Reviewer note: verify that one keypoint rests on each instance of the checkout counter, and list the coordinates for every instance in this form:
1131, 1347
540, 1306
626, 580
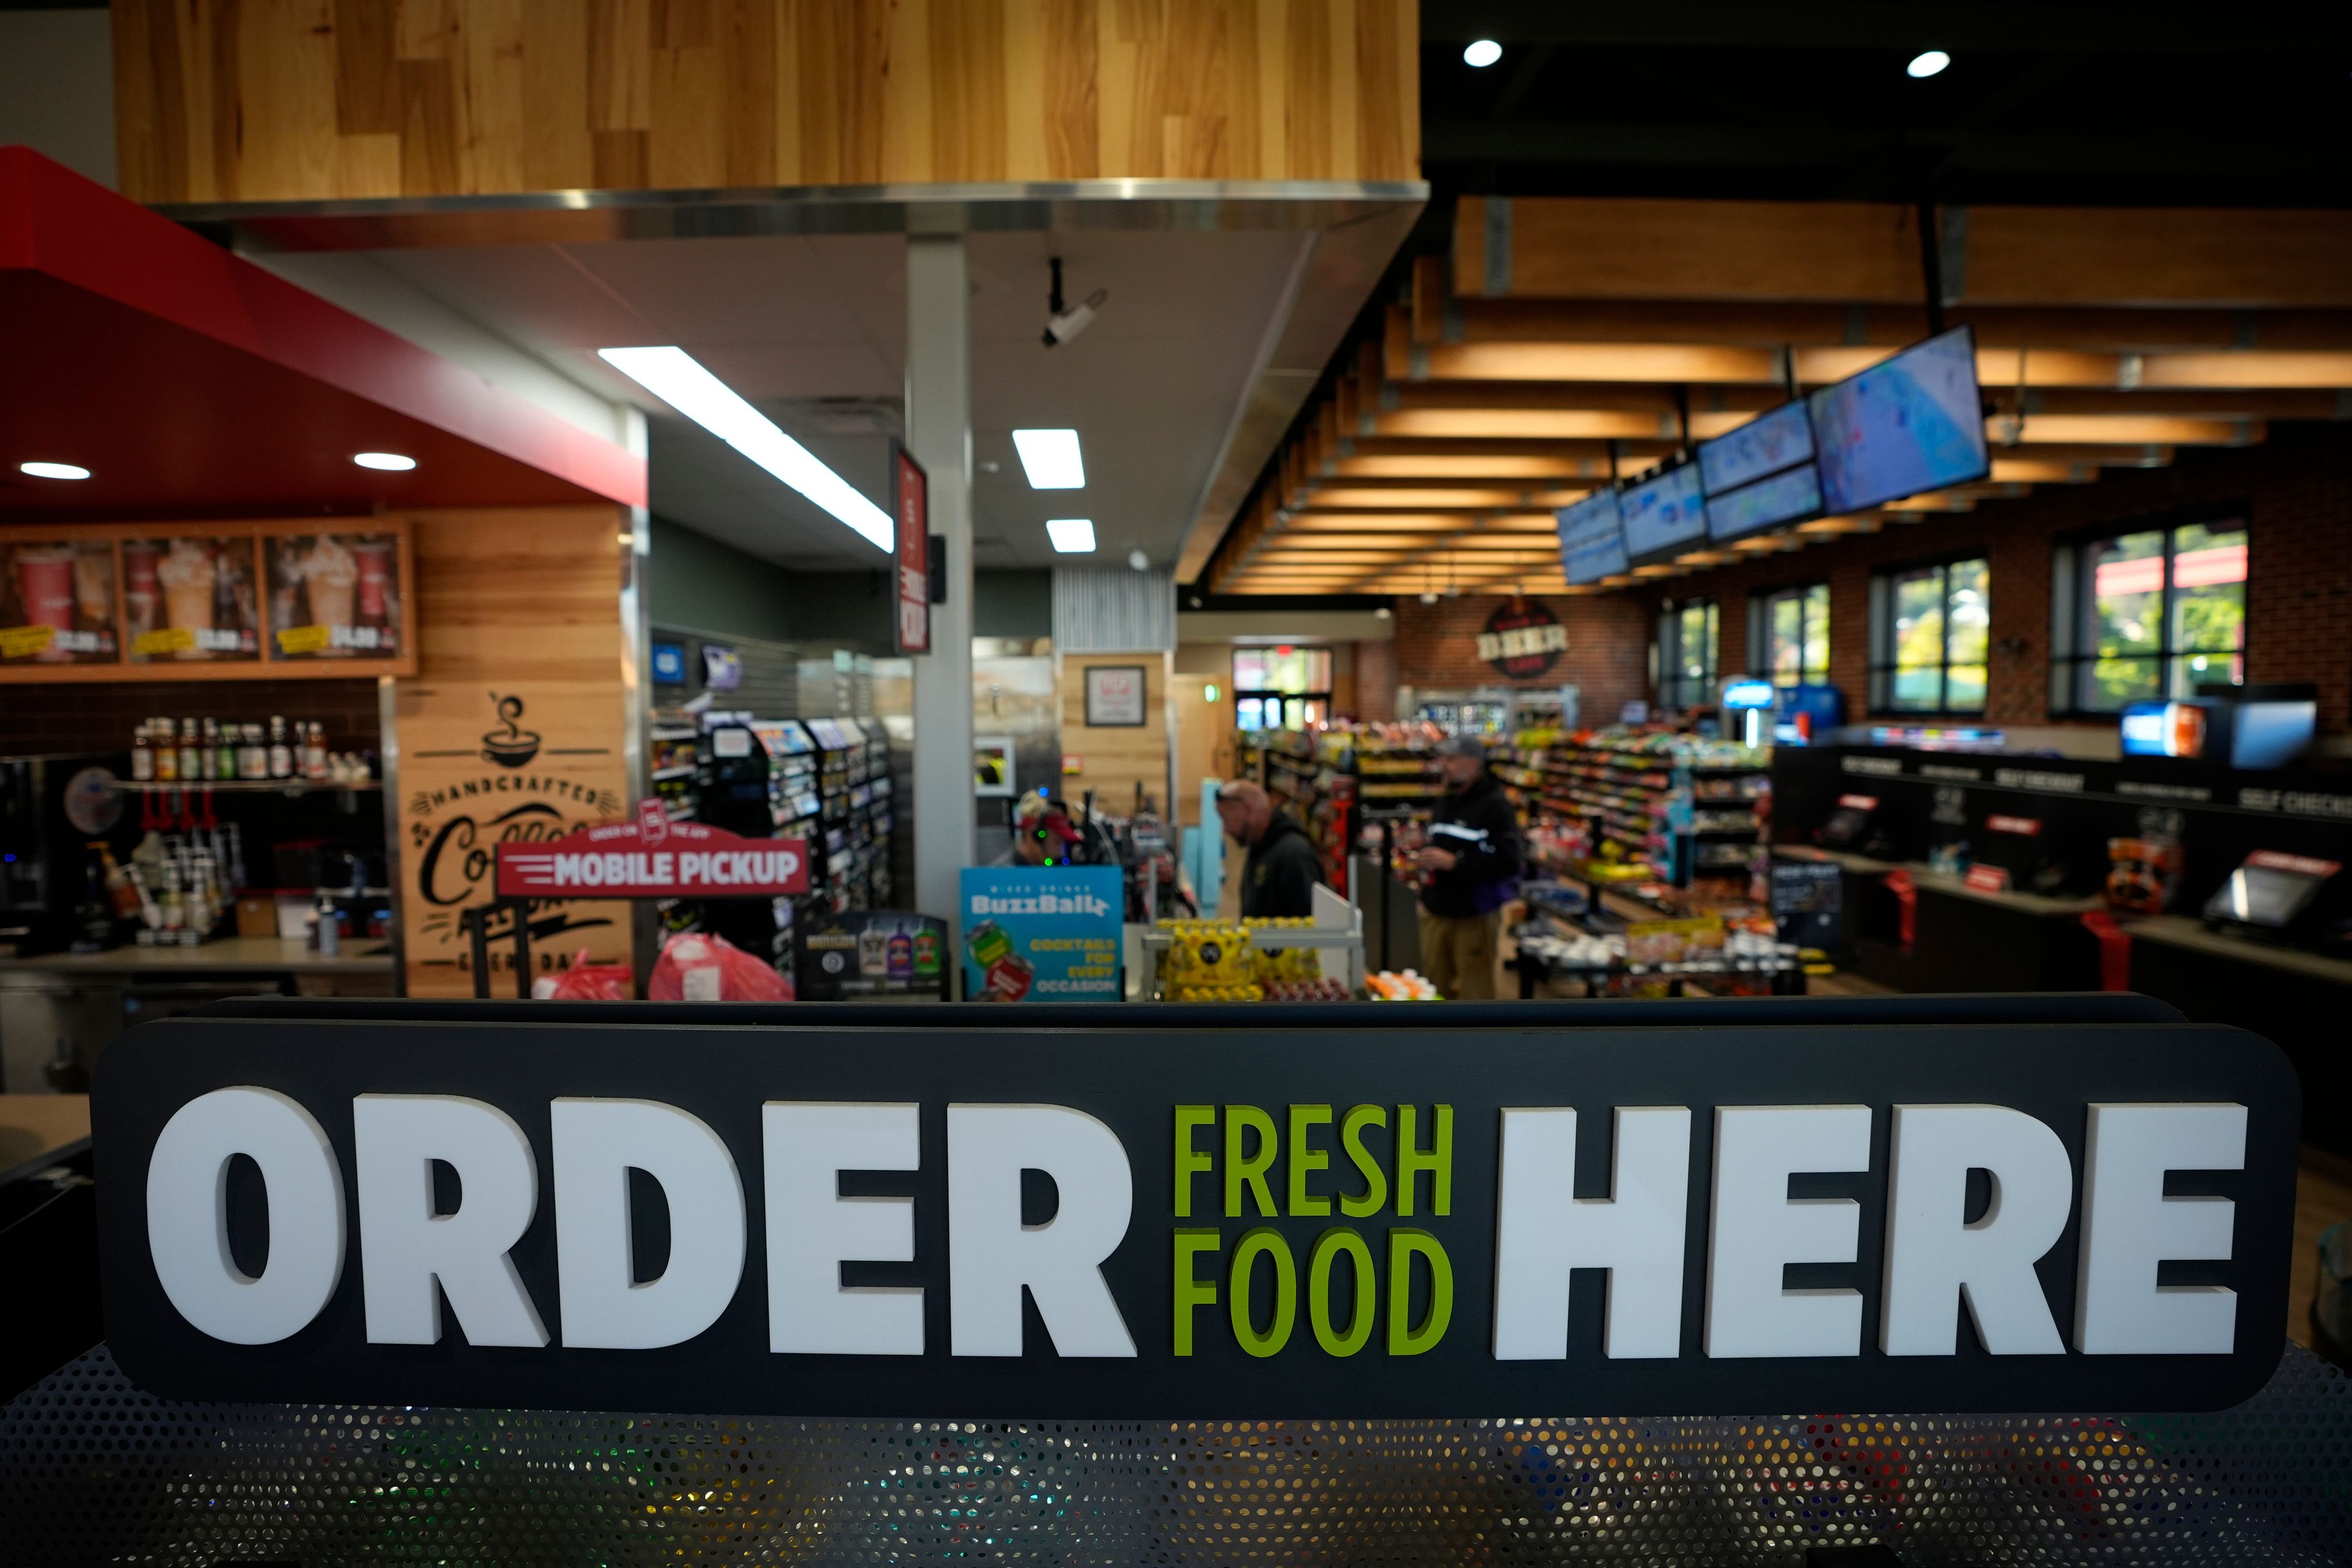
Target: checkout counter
2040, 839
283, 842
58, 1010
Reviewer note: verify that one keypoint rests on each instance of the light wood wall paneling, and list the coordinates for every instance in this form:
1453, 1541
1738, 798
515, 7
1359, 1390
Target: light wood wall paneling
1116, 757
240, 100
517, 605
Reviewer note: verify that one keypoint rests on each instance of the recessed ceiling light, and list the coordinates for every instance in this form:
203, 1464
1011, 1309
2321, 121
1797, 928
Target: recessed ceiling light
1483, 53
388, 462
1051, 459
54, 471
1927, 63
1071, 536
679, 379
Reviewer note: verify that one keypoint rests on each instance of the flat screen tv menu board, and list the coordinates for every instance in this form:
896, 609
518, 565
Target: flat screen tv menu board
1765, 445
1592, 541
1662, 516
1786, 497
1910, 424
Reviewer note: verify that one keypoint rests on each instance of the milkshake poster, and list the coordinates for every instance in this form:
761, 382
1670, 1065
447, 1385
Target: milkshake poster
1042, 933
334, 595
56, 602
191, 598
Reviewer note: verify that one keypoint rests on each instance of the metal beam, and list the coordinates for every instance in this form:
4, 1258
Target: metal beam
939, 437
1766, 325
1870, 24
1842, 252
1821, 147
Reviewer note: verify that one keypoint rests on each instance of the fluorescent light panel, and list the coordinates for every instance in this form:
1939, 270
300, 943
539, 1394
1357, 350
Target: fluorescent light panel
1071, 536
54, 471
679, 380
384, 462
1051, 459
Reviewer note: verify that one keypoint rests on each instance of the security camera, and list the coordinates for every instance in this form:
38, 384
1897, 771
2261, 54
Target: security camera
1065, 322
1139, 560
1064, 325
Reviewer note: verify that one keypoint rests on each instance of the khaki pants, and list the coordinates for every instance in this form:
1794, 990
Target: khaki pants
1457, 955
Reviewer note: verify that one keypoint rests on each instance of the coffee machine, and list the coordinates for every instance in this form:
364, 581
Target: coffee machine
51, 809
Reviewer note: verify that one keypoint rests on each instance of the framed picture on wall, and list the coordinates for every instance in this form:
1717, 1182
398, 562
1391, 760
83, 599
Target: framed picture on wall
57, 601
1115, 695
338, 595
192, 597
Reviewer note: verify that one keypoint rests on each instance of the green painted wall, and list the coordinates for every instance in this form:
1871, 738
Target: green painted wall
1013, 605
696, 584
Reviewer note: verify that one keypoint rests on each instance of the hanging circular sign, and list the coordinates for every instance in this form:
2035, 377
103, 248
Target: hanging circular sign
1523, 639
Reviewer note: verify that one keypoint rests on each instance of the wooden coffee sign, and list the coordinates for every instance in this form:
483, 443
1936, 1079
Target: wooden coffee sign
652, 857
924, 1216
207, 601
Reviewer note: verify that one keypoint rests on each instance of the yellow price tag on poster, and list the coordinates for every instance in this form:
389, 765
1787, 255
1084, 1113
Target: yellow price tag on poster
163, 639
303, 640
22, 642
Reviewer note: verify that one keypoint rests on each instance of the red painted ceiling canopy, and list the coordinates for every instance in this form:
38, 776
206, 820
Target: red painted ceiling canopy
190, 382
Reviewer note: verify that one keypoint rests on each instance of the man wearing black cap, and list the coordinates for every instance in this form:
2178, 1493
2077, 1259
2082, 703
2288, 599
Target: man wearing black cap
1471, 864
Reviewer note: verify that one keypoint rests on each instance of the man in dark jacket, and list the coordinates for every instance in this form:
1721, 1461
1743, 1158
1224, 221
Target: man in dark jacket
1278, 879
1472, 866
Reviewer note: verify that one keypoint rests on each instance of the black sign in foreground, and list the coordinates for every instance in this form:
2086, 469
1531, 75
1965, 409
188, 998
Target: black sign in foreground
1176, 1222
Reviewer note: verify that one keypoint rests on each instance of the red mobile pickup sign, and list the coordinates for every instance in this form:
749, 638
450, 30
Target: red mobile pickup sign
652, 857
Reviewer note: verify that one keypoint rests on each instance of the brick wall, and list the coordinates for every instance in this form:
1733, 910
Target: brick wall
1608, 656
1376, 682
100, 717
2295, 492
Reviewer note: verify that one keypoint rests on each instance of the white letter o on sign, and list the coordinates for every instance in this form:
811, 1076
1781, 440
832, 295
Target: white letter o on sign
187, 1214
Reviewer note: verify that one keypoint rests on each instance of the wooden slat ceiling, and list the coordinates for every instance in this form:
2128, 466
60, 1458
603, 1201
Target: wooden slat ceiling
1564, 334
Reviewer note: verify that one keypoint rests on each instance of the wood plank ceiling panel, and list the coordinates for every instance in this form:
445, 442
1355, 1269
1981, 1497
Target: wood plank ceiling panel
1567, 340
218, 102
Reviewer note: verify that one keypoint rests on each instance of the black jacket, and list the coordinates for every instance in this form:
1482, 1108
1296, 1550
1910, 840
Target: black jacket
1481, 828
1278, 879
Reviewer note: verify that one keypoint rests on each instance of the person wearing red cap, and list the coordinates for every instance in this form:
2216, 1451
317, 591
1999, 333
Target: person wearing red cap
1043, 835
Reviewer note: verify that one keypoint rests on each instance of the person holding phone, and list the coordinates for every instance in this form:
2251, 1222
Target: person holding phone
1470, 868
